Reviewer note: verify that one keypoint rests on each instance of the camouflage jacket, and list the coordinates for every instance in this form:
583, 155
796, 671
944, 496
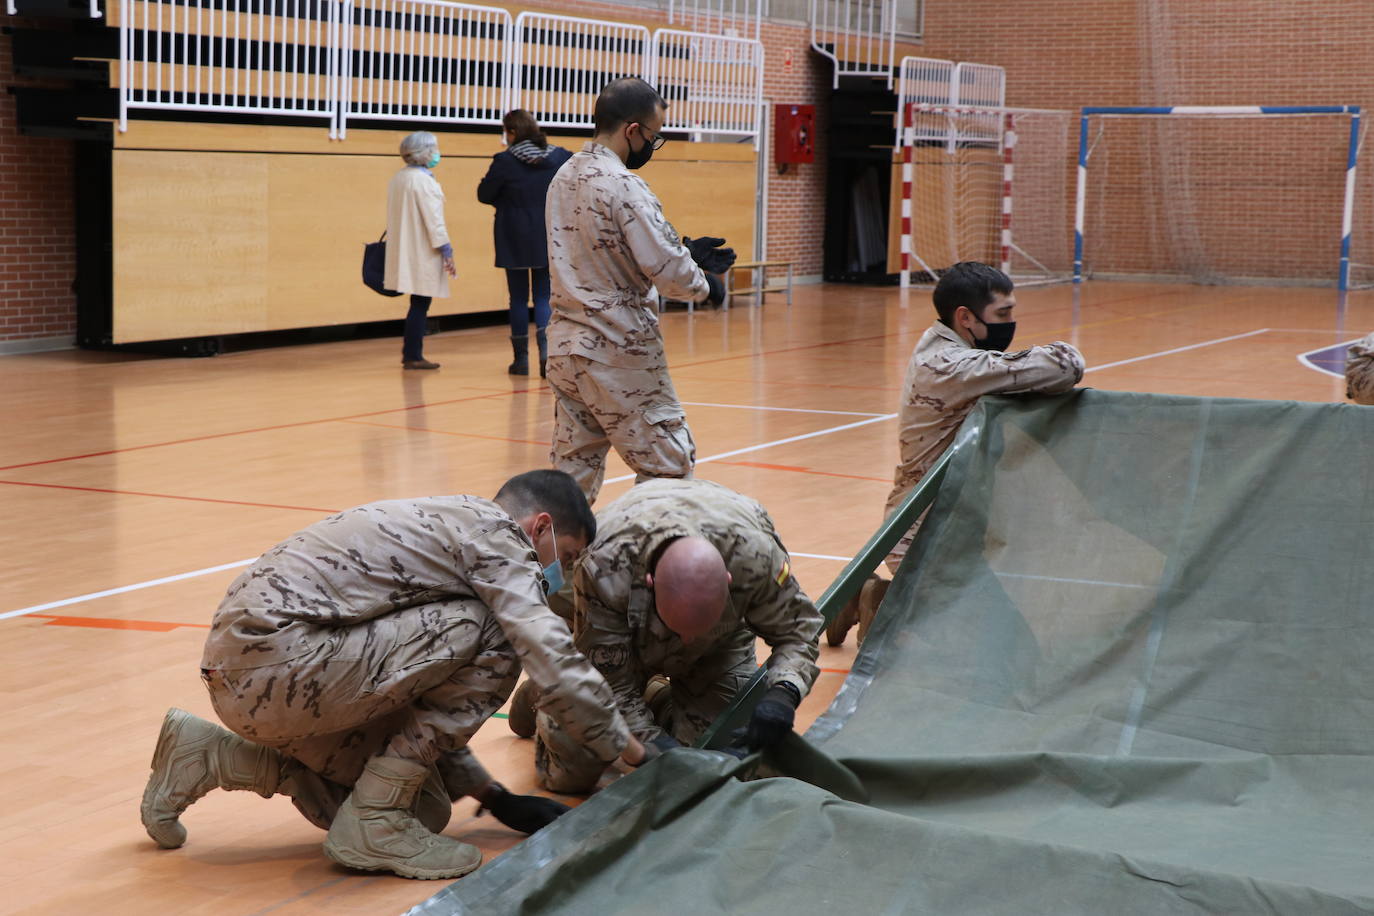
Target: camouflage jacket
617, 628
364, 563
1359, 371
945, 379
609, 247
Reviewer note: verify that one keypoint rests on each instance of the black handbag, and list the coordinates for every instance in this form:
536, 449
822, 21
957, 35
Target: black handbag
374, 267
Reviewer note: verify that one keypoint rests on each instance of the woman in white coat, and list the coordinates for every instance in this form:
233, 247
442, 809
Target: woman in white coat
419, 258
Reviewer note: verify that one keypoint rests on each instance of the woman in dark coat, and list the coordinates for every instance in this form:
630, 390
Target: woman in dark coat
516, 185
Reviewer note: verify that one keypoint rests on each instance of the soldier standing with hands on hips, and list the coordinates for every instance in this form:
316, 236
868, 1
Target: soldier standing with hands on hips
610, 247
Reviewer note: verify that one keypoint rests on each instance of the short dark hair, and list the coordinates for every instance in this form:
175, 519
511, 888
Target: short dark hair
970, 284
553, 492
628, 100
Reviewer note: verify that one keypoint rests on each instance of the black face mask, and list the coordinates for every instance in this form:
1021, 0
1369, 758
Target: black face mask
637, 159
999, 336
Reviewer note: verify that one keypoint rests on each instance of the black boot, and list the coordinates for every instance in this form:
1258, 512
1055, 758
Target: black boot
520, 343
542, 339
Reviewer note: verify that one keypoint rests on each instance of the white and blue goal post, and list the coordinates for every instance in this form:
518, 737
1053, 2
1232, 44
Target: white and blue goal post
1348, 209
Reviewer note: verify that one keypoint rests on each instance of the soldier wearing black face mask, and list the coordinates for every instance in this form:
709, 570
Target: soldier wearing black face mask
962, 357
610, 247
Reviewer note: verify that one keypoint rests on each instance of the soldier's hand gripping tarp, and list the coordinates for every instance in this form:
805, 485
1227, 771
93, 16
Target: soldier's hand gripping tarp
1124, 669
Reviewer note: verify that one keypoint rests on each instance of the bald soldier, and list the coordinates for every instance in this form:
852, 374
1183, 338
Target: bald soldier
1359, 371
353, 662
963, 356
681, 579
610, 248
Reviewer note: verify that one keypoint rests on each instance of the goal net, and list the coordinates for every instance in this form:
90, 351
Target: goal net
1222, 195
990, 185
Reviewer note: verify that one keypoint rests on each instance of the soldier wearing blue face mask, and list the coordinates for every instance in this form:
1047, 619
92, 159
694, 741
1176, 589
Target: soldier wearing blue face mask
353, 662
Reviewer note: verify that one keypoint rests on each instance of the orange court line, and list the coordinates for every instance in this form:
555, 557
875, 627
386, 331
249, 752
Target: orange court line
445, 432
109, 623
264, 429
198, 499
800, 470
834, 670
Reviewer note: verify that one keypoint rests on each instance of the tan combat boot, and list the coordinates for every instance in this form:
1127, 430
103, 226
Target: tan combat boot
658, 697
874, 590
842, 623
194, 756
522, 709
376, 831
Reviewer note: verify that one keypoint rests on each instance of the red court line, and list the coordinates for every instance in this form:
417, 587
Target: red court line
445, 432
835, 670
800, 470
109, 623
263, 429
197, 499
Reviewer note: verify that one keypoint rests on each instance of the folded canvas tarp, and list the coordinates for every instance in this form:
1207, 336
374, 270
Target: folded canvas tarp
1124, 669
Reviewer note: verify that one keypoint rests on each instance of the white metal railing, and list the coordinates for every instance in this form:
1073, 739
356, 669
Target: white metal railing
860, 36
980, 86
423, 60
712, 84
931, 82
561, 63
731, 18
233, 56
923, 81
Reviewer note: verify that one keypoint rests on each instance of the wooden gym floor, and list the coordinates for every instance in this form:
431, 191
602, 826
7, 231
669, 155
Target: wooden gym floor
134, 488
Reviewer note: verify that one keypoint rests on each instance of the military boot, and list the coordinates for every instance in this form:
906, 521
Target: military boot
541, 337
840, 625
870, 598
194, 756
522, 709
658, 697
376, 831
520, 344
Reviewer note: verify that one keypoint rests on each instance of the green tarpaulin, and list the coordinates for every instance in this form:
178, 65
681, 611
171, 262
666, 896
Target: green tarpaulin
1124, 669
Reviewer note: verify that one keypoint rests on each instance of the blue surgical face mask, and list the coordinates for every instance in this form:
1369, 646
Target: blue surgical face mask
553, 573
433, 162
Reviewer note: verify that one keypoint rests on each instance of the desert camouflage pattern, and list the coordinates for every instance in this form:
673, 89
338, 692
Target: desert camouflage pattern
1359, 371
636, 410
697, 698
616, 626
609, 248
944, 380
397, 627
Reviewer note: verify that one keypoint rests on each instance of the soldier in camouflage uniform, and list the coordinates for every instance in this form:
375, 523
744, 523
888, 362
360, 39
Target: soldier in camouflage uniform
1359, 371
609, 248
681, 579
354, 661
960, 358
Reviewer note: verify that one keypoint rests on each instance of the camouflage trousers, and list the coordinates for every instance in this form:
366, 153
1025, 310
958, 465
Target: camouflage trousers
635, 410
694, 703
898, 552
415, 684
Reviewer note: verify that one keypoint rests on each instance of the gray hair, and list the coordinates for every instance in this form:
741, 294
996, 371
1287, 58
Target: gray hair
419, 148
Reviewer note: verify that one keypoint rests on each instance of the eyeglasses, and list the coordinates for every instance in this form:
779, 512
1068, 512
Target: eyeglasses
656, 141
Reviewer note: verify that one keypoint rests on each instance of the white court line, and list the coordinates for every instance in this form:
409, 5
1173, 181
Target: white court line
763, 445
1011, 575
819, 556
844, 413
124, 588
1303, 360
1205, 343
223, 566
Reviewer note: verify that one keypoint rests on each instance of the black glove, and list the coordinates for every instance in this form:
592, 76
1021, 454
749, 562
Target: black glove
716, 296
708, 254
526, 813
773, 716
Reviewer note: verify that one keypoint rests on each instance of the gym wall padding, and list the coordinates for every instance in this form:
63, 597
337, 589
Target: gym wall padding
1124, 669
224, 229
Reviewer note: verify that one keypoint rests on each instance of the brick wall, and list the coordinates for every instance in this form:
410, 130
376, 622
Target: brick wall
1235, 199
37, 234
